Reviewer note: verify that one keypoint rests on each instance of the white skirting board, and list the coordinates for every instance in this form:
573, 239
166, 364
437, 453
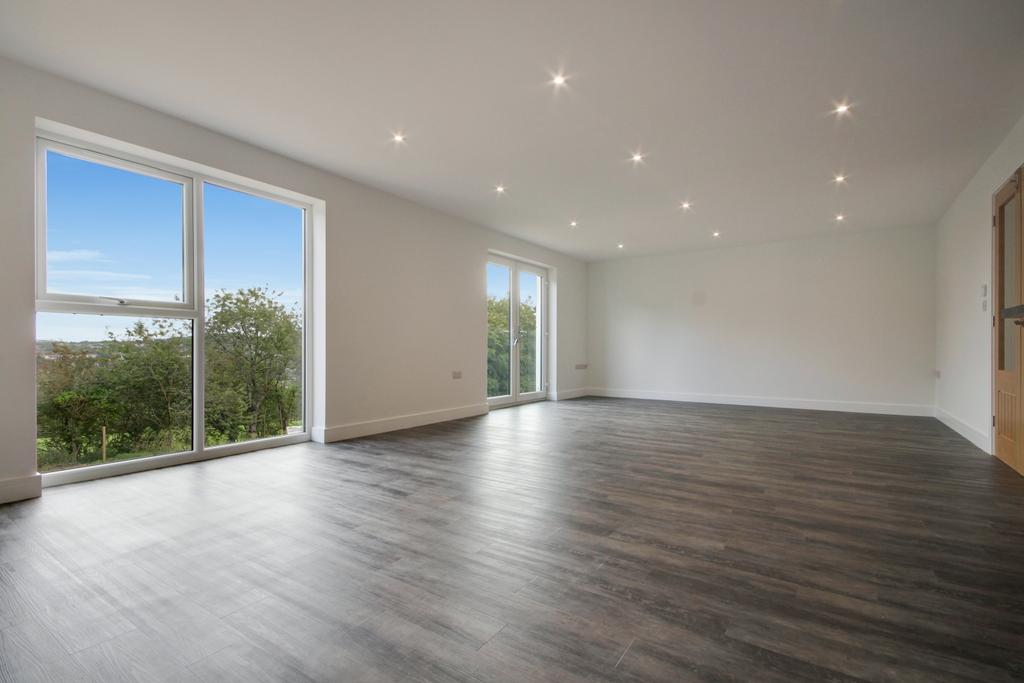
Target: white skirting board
570, 393
354, 430
920, 410
978, 438
20, 488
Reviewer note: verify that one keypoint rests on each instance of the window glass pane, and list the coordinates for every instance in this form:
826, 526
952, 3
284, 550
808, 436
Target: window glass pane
112, 232
499, 330
254, 316
111, 388
530, 378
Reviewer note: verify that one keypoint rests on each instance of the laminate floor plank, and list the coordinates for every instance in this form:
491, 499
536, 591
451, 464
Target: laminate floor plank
585, 540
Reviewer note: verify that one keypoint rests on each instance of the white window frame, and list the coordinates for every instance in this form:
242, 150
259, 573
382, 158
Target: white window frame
78, 303
194, 177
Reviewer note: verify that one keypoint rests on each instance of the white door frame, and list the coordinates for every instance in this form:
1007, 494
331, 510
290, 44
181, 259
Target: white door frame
515, 266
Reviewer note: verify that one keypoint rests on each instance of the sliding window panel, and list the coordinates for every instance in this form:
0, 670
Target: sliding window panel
255, 316
111, 388
115, 232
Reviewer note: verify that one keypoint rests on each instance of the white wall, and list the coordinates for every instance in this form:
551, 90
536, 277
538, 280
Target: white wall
844, 321
404, 285
963, 331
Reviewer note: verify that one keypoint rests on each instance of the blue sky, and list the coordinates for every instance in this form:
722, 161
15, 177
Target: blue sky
111, 232
498, 283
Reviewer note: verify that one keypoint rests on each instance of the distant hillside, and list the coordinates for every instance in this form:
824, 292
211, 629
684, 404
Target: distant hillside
45, 346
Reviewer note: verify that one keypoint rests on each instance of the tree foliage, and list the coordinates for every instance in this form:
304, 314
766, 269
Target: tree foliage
499, 345
138, 384
253, 363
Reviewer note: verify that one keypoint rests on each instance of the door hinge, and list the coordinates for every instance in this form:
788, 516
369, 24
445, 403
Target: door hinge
993, 220
993, 420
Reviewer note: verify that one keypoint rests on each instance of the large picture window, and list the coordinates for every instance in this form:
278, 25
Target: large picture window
171, 311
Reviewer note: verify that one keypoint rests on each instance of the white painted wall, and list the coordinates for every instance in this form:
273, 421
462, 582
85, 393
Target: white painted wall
404, 300
844, 322
963, 331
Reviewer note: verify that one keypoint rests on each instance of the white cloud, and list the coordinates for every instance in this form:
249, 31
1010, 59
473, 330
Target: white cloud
94, 275
59, 256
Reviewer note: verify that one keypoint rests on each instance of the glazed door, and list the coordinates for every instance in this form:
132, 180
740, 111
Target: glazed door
1008, 322
516, 332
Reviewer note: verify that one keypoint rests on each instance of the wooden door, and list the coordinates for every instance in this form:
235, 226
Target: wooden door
1008, 322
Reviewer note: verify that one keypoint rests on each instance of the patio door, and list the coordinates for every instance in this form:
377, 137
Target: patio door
516, 332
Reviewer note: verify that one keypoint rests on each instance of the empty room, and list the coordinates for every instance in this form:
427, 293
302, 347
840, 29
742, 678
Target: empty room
462, 340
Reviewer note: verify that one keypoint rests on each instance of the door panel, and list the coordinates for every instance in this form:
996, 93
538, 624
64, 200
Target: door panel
529, 342
499, 330
1008, 250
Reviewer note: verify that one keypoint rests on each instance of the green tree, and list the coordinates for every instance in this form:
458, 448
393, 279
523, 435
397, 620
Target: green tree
253, 364
527, 345
149, 380
72, 405
499, 345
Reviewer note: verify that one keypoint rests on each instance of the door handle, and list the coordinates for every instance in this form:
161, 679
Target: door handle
1019, 321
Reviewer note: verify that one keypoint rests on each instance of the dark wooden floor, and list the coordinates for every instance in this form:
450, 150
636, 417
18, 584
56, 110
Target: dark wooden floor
595, 539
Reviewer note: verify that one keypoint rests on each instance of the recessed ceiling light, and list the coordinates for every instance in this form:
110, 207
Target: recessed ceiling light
715, 234
842, 108
840, 217
637, 157
840, 178
572, 224
398, 137
500, 189
621, 245
684, 205
559, 79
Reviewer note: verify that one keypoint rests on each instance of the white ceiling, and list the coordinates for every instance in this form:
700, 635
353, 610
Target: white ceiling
729, 99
